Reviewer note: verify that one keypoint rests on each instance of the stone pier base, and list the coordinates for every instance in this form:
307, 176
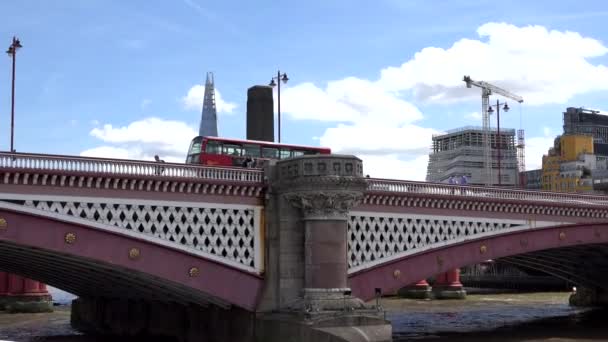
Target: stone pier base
358, 326
26, 304
420, 290
156, 319
448, 292
200, 324
448, 286
588, 297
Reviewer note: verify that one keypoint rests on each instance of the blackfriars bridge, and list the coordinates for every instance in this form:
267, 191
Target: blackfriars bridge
291, 252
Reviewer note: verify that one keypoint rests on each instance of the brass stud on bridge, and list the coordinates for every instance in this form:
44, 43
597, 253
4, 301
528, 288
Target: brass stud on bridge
3, 223
562, 236
70, 238
396, 274
194, 272
483, 249
134, 253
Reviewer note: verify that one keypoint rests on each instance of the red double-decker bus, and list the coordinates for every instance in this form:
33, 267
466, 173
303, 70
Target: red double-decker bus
243, 153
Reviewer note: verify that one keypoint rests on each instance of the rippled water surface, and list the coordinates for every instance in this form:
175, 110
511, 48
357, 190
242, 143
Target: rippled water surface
506, 317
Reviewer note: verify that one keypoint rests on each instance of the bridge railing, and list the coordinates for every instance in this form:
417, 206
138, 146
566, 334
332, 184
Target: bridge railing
123, 167
385, 185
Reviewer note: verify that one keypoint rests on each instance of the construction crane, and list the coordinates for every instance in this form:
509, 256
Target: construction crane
521, 156
488, 89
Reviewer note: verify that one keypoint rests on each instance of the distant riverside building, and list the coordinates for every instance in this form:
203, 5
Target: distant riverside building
532, 179
569, 164
577, 162
459, 152
581, 121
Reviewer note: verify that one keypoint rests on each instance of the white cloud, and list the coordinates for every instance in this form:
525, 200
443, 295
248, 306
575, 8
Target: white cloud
378, 139
143, 139
348, 100
535, 148
476, 116
390, 166
529, 61
196, 94
111, 152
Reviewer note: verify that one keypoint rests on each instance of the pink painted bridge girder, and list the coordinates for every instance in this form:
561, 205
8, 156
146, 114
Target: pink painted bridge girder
222, 282
393, 275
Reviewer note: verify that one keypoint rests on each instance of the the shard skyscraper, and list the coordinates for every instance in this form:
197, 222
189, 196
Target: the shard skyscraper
208, 125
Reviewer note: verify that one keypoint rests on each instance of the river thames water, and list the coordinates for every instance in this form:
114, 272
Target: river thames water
496, 317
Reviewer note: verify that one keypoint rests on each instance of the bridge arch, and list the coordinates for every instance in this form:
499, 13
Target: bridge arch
568, 251
91, 262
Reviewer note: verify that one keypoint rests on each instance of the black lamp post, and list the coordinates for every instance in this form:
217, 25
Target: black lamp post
279, 77
498, 141
12, 52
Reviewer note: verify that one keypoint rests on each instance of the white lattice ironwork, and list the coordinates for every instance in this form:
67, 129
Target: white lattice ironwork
227, 233
374, 238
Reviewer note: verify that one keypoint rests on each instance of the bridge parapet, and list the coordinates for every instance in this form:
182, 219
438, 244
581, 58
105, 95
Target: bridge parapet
100, 173
398, 187
533, 205
123, 167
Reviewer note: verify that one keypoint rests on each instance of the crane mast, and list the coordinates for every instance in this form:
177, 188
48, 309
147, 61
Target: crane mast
488, 89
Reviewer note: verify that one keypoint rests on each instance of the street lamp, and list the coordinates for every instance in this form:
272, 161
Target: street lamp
499, 142
12, 52
279, 77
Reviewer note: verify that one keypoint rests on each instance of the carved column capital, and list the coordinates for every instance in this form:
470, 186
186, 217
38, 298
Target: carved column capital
322, 186
324, 204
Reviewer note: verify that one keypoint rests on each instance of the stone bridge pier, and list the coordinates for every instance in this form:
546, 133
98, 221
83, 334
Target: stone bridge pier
307, 292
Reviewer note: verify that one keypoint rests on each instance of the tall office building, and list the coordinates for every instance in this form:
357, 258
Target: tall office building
581, 121
459, 152
208, 126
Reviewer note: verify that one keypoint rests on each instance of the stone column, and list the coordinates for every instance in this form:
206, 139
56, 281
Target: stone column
306, 295
323, 189
448, 286
19, 294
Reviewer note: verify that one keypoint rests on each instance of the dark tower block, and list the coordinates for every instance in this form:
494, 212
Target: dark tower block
260, 113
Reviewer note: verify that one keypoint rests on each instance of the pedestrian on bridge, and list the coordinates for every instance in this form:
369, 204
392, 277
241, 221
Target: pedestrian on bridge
159, 169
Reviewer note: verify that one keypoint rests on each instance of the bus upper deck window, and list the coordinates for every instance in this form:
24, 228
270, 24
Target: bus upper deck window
310, 152
252, 150
297, 153
270, 152
232, 150
195, 148
284, 154
213, 147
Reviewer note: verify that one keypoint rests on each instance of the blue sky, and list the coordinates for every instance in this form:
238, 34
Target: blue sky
118, 78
